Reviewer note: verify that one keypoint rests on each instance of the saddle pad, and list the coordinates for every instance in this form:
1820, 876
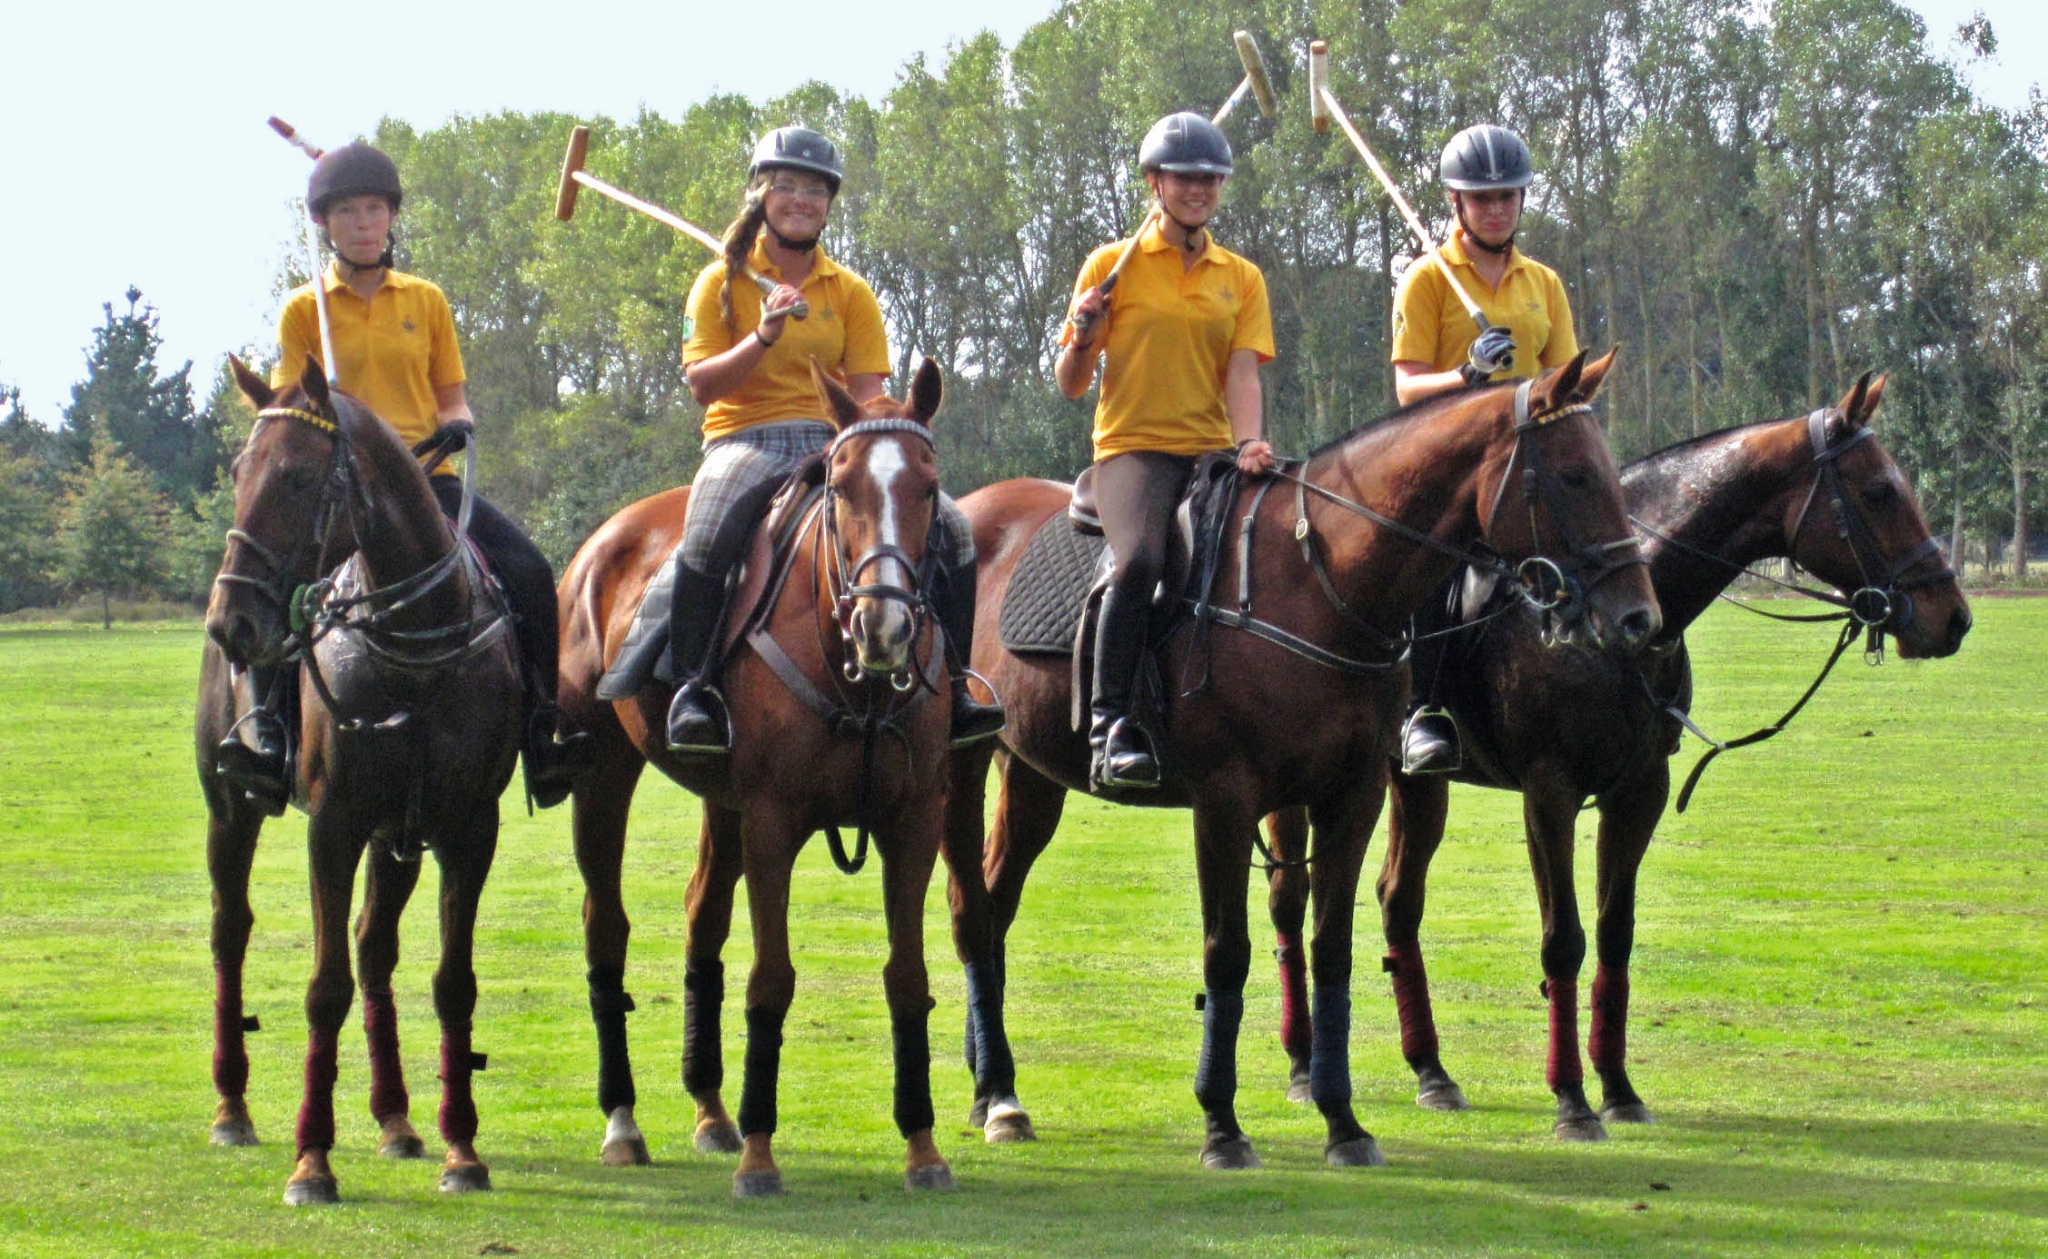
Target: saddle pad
1049, 589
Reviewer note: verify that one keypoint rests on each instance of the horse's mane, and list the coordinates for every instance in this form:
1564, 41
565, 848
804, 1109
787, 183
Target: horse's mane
1399, 414
1662, 464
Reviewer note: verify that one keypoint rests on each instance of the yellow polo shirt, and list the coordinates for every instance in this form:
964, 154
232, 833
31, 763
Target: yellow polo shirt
844, 333
1170, 335
1431, 326
395, 349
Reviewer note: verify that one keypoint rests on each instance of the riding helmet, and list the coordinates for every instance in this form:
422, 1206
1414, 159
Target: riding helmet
1484, 157
798, 148
1187, 144
353, 170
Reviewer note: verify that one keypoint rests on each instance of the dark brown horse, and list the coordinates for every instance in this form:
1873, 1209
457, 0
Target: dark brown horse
1563, 727
409, 691
1306, 683
830, 688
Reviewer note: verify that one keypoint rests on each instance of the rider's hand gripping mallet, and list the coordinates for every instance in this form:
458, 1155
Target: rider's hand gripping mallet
1322, 107
574, 177
313, 274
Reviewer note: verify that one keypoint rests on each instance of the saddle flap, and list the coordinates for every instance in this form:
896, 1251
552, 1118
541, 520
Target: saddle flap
1081, 506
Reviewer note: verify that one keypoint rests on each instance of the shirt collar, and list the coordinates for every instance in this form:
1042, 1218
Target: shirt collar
1152, 240
393, 279
1454, 251
762, 265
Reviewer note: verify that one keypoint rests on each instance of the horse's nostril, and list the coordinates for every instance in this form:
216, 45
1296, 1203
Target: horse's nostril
1638, 626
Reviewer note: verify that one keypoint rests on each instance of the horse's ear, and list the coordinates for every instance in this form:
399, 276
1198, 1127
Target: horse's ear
314, 382
1860, 403
927, 390
1553, 389
1593, 375
838, 403
256, 389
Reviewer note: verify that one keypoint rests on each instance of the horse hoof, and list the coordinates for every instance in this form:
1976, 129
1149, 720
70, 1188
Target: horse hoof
719, 1138
466, 1178
1445, 1096
1297, 1088
1627, 1112
314, 1191
1584, 1128
233, 1132
1231, 1154
403, 1147
934, 1176
1357, 1152
757, 1184
1005, 1123
626, 1152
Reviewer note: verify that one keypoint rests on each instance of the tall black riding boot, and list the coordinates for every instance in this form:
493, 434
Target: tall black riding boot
253, 758
697, 722
1120, 754
973, 720
552, 763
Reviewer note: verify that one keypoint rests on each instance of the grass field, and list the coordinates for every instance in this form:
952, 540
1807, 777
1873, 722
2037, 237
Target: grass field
1839, 1014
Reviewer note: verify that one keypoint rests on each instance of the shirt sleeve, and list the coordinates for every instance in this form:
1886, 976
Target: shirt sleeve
1254, 317
1418, 307
298, 336
1563, 345
867, 342
1093, 273
705, 335
444, 352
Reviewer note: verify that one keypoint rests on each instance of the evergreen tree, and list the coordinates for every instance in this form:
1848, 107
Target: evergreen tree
114, 530
151, 416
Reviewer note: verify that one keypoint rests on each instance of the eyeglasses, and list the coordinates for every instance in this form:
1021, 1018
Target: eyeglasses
801, 189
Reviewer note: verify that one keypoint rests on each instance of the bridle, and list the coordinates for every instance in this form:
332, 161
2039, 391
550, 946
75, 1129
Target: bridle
845, 579
342, 483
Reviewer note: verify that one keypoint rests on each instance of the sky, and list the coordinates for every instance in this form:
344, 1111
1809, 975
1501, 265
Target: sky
141, 156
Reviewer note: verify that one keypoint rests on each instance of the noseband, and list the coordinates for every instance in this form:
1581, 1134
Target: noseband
278, 584
845, 579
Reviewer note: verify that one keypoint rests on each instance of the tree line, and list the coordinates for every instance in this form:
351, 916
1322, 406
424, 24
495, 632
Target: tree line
1755, 203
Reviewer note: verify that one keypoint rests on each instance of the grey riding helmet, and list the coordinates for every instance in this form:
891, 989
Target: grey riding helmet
1186, 144
353, 170
1485, 157
798, 148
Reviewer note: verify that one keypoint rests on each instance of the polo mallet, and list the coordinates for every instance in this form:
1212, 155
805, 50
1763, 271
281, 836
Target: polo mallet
313, 152
1260, 86
574, 178
1322, 107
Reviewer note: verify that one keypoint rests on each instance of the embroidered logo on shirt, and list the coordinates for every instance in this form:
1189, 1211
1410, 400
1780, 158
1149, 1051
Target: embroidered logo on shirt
409, 325
828, 314
1226, 295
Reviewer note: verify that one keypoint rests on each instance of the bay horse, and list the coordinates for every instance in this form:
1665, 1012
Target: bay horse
828, 683
409, 725
1565, 727
1306, 687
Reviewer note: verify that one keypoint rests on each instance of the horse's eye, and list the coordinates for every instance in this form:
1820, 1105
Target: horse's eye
1575, 478
299, 480
1880, 496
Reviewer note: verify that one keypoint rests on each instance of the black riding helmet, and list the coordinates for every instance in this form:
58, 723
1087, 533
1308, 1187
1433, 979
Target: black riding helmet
798, 148
353, 170
1186, 144
1486, 157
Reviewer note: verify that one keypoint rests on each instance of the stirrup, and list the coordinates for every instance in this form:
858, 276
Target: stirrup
1125, 758
1430, 742
695, 727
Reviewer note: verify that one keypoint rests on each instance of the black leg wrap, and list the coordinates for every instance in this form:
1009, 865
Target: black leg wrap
988, 1046
764, 1063
1216, 1071
1329, 1071
609, 1005
913, 1070
703, 999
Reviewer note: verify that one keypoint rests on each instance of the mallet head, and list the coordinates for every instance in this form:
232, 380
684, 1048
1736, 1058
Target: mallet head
1318, 83
1255, 70
572, 166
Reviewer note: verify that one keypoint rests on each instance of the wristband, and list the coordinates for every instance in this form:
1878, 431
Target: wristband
765, 342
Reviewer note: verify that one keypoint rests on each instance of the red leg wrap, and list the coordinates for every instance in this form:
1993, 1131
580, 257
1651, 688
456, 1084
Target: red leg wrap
387, 1077
1607, 1041
230, 1056
458, 1108
316, 1109
1294, 1017
1411, 998
1564, 1066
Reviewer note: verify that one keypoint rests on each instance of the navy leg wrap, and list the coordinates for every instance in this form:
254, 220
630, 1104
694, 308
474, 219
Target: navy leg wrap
1216, 1072
609, 1005
913, 1070
764, 1063
988, 1046
703, 997
1329, 1071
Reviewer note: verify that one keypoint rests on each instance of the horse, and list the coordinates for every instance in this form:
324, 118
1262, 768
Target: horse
832, 661
409, 686
1562, 727
1299, 706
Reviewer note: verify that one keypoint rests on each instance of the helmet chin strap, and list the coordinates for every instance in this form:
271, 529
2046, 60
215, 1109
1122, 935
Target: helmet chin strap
1191, 233
351, 267
1498, 251
801, 246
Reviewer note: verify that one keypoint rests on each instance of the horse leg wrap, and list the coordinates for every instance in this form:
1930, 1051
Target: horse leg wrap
610, 1003
387, 1078
458, 1108
1411, 998
1216, 1070
1295, 1037
988, 1045
1563, 1067
910, 1033
703, 999
230, 1055
1607, 1040
1329, 1072
764, 1062
316, 1109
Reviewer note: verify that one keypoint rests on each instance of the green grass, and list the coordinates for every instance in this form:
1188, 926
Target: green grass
1838, 1014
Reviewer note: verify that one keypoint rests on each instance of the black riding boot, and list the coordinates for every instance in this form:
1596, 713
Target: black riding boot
973, 720
253, 759
1120, 755
696, 718
552, 764
1429, 742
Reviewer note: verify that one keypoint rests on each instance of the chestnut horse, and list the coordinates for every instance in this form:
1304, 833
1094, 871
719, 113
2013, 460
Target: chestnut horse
1306, 684
829, 685
1562, 727
410, 721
